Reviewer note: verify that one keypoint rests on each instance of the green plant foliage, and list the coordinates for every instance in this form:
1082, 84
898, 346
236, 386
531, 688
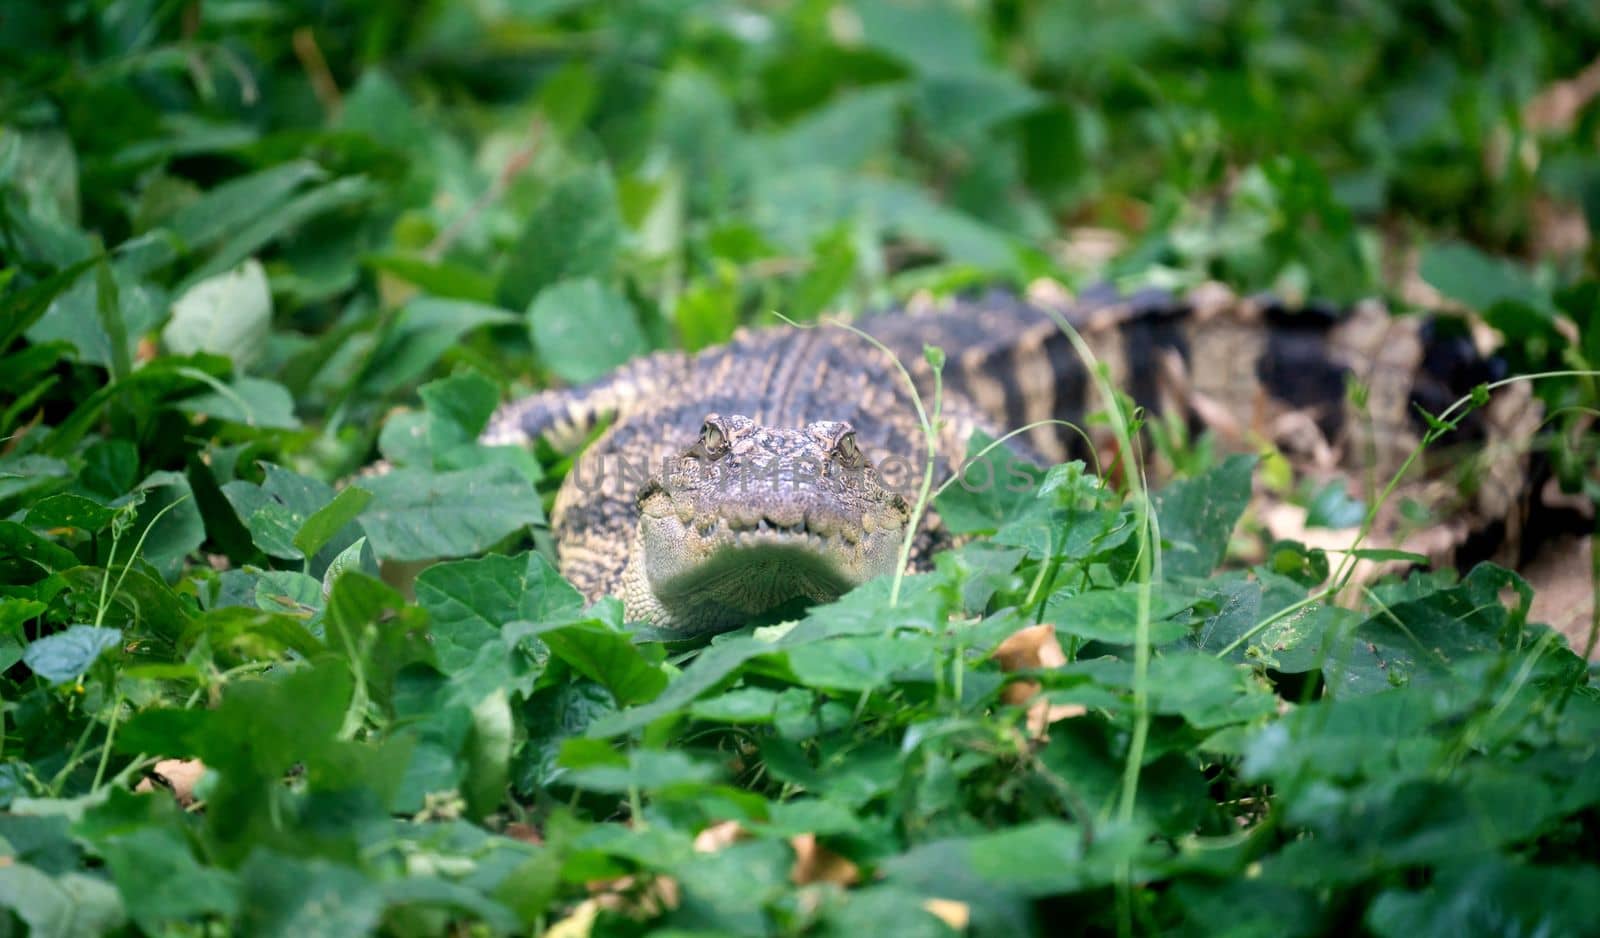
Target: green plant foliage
247, 249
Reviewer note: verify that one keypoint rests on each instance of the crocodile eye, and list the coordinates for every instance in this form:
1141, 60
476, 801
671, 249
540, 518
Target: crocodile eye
847, 452
713, 439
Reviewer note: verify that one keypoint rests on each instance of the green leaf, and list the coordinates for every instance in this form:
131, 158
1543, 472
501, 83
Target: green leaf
859, 663
252, 402
305, 897
574, 232
21, 308
644, 770
236, 203
460, 406
714, 666
471, 601
1490, 895
441, 278
1111, 615
1332, 507
228, 314
25, 556
1462, 272
601, 652
64, 656
425, 329
1198, 516
109, 312
277, 509
316, 531
934, 37
265, 229
160, 880
991, 491
73, 905
31, 474
583, 329
70, 511
358, 556
418, 515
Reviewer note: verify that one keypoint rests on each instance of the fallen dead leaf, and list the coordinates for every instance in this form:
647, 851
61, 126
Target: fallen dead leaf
1034, 647
578, 923
1556, 107
955, 914
178, 776
718, 836
526, 833
1562, 577
814, 863
638, 897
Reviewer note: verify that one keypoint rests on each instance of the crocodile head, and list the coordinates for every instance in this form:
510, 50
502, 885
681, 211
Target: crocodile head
753, 518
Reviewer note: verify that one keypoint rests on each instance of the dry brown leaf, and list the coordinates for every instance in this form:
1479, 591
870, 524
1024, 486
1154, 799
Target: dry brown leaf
178, 776
526, 833
717, 836
1032, 647
578, 923
814, 863
1562, 577
955, 914
1556, 107
638, 897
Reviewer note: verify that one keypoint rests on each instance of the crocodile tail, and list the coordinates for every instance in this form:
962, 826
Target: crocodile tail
1337, 391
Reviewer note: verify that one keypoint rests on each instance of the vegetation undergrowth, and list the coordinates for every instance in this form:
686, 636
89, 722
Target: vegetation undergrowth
247, 249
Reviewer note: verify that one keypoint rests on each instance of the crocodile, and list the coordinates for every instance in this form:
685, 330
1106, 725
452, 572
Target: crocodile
779, 468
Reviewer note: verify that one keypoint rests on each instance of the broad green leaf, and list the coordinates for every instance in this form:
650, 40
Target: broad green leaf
1485, 896
1112, 615
161, 881
285, 896
418, 515
460, 406
573, 232
471, 601
443, 279
240, 201
25, 556
934, 37
228, 314
583, 329
859, 662
600, 652
277, 509
713, 666
70, 511
31, 475
1332, 507
358, 556
1198, 516
1464, 273
289, 592
644, 770
265, 229
64, 656
252, 402
424, 330
73, 905
316, 531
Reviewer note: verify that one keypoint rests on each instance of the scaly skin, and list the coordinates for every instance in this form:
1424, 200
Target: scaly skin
752, 517
651, 513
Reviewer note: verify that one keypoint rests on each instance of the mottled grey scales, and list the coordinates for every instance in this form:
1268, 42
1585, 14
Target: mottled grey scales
777, 468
